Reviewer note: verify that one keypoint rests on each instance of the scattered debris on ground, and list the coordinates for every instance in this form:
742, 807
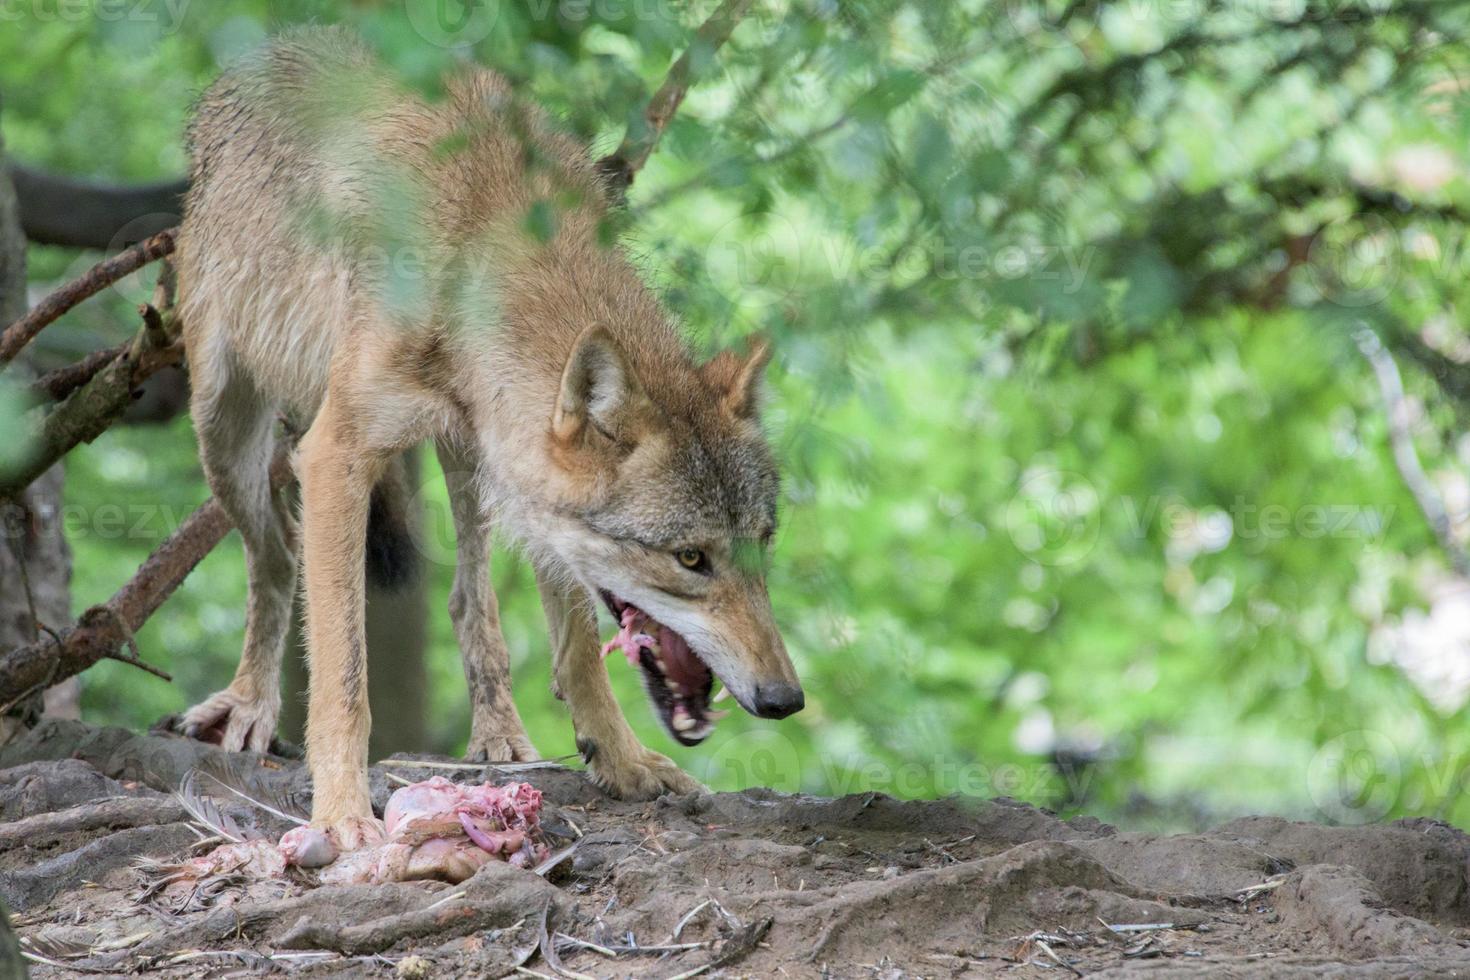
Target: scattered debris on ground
102, 833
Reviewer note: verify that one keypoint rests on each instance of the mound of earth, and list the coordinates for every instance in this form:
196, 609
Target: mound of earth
731, 884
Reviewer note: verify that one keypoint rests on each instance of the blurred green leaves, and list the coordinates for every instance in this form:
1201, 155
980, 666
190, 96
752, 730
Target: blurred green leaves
1089, 498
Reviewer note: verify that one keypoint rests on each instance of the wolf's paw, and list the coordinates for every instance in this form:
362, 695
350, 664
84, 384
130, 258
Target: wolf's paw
351, 833
233, 721
501, 747
640, 775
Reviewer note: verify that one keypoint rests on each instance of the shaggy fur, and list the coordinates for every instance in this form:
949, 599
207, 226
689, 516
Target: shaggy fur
378, 268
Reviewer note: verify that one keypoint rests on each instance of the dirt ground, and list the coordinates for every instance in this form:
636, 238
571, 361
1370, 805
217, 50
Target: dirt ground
751, 884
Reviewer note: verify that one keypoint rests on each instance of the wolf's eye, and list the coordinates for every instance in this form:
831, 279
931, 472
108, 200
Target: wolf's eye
692, 559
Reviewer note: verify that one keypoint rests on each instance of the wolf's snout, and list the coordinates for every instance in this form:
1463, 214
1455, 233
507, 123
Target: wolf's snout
778, 700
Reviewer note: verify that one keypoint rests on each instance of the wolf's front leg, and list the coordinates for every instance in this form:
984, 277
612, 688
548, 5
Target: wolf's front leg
336, 484
619, 763
496, 731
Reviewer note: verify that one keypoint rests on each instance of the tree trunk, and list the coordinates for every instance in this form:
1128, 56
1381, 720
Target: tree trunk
31, 534
35, 562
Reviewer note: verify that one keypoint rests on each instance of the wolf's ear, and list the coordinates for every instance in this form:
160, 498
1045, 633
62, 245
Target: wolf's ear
738, 379
596, 385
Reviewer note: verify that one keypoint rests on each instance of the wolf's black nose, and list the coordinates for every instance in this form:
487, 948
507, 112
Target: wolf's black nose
778, 700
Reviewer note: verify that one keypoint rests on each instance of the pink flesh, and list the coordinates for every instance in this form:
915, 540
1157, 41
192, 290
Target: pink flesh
307, 847
629, 639
499, 822
681, 665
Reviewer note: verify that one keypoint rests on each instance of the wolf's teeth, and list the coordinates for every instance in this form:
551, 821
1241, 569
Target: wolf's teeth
683, 721
717, 715
702, 732
724, 693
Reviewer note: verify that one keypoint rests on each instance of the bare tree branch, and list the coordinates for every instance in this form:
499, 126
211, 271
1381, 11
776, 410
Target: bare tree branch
622, 164
56, 385
99, 277
104, 631
1391, 384
95, 405
60, 210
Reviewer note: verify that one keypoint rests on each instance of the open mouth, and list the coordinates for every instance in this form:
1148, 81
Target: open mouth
677, 681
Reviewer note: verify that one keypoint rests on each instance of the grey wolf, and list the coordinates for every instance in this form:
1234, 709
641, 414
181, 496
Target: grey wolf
563, 402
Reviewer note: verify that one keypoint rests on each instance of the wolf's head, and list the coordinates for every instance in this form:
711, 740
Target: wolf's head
677, 508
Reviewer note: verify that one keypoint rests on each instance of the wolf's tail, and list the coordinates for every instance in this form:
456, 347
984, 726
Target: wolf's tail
392, 551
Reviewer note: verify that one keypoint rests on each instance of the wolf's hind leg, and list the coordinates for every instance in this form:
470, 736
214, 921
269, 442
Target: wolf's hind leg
236, 442
496, 731
619, 763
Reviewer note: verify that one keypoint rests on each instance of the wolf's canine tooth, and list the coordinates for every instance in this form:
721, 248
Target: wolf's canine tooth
724, 693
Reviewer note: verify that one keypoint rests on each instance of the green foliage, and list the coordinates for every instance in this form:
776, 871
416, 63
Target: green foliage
1089, 496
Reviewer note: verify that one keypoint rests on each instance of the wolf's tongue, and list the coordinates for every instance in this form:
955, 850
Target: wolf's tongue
682, 666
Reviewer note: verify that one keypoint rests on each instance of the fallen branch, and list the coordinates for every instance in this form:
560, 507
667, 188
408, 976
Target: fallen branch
96, 279
105, 630
622, 164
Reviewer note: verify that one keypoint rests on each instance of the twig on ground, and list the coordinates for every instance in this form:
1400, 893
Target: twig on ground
1269, 885
734, 949
1142, 927
1045, 948
567, 940
546, 866
548, 948
451, 897
688, 918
